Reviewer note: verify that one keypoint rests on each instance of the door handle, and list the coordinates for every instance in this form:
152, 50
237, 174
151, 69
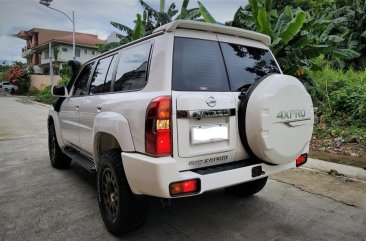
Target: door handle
77, 108
99, 107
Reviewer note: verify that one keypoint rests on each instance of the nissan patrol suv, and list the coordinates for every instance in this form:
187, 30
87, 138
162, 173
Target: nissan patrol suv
191, 108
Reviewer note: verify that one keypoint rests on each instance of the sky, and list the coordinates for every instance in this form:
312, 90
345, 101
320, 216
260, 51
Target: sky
91, 16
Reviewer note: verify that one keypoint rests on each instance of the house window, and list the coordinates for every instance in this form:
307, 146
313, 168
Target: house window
93, 52
45, 54
77, 52
85, 51
64, 49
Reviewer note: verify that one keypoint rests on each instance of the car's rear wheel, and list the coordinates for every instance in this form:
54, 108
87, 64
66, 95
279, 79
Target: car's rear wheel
57, 158
121, 210
248, 188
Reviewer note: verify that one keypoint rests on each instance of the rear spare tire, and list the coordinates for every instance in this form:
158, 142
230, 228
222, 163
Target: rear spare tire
276, 119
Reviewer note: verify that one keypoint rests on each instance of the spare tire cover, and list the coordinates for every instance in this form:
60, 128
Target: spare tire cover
279, 117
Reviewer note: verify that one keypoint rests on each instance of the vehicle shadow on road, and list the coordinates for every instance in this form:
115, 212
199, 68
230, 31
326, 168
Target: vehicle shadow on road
271, 214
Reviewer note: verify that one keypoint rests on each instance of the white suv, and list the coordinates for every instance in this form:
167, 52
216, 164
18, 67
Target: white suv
191, 108
8, 87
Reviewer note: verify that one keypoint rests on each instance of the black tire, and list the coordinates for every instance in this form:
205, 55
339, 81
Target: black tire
57, 158
248, 188
121, 210
12, 91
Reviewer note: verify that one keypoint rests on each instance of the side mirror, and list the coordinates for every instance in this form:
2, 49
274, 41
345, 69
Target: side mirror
59, 91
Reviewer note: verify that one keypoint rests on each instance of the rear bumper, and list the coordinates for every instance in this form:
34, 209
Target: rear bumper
152, 176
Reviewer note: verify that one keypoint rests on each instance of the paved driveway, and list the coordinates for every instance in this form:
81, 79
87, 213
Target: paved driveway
38, 202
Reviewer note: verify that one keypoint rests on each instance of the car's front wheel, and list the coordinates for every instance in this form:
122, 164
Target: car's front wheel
121, 210
248, 188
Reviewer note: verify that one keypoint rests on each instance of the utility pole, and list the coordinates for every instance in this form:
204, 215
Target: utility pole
50, 58
47, 3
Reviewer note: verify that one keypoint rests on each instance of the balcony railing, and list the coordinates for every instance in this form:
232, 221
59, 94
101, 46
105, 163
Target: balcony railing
26, 47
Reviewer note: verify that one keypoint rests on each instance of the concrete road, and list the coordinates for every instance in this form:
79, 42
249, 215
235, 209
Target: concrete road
38, 202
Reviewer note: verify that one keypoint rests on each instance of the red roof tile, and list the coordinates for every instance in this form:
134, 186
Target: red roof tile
81, 39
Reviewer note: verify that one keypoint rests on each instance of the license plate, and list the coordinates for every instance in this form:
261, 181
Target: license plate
209, 133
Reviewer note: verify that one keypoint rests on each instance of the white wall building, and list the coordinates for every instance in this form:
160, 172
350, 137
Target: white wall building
61, 48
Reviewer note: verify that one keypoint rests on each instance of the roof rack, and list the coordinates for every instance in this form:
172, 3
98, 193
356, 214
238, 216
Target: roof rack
215, 28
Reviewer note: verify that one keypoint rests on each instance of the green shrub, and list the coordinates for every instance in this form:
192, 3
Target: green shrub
339, 96
45, 95
340, 101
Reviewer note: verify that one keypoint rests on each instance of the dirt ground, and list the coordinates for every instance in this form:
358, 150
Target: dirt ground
335, 150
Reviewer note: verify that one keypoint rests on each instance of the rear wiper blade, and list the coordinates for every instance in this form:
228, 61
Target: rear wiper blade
244, 87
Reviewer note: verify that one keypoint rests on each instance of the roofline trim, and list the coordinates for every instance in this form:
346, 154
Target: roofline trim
216, 28
154, 34
41, 46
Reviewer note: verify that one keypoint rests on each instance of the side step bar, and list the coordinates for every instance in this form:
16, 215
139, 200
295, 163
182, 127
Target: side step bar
80, 159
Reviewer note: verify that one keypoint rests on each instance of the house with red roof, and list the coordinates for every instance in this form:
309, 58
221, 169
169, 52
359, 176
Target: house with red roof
36, 51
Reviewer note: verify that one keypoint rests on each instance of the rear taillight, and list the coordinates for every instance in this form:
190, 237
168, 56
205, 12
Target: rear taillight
301, 160
157, 127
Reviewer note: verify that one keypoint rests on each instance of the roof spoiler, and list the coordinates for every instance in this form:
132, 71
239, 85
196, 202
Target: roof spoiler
215, 28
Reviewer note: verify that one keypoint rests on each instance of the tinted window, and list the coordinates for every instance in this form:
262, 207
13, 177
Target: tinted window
245, 65
102, 76
132, 68
82, 81
198, 66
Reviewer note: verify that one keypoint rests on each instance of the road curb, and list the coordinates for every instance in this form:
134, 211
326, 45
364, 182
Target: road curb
39, 103
324, 166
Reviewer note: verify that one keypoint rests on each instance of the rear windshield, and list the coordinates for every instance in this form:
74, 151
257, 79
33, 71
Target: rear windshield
204, 65
198, 66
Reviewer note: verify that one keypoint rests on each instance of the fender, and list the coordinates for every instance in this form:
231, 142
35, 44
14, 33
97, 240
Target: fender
54, 115
116, 125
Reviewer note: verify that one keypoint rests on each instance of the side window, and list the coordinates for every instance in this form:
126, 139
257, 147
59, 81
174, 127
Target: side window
82, 81
245, 64
102, 77
132, 68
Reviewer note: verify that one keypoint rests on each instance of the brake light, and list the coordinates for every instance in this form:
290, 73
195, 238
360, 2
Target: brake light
157, 127
301, 160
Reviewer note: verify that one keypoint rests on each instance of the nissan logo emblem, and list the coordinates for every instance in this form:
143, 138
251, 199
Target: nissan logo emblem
211, 101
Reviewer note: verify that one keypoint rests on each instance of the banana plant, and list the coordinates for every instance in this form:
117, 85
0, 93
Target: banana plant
207, 17
130, 34
159, 17
188, 14
150, 20
297, 36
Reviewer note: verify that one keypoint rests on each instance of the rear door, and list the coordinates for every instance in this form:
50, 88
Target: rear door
203, 105
92, 104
